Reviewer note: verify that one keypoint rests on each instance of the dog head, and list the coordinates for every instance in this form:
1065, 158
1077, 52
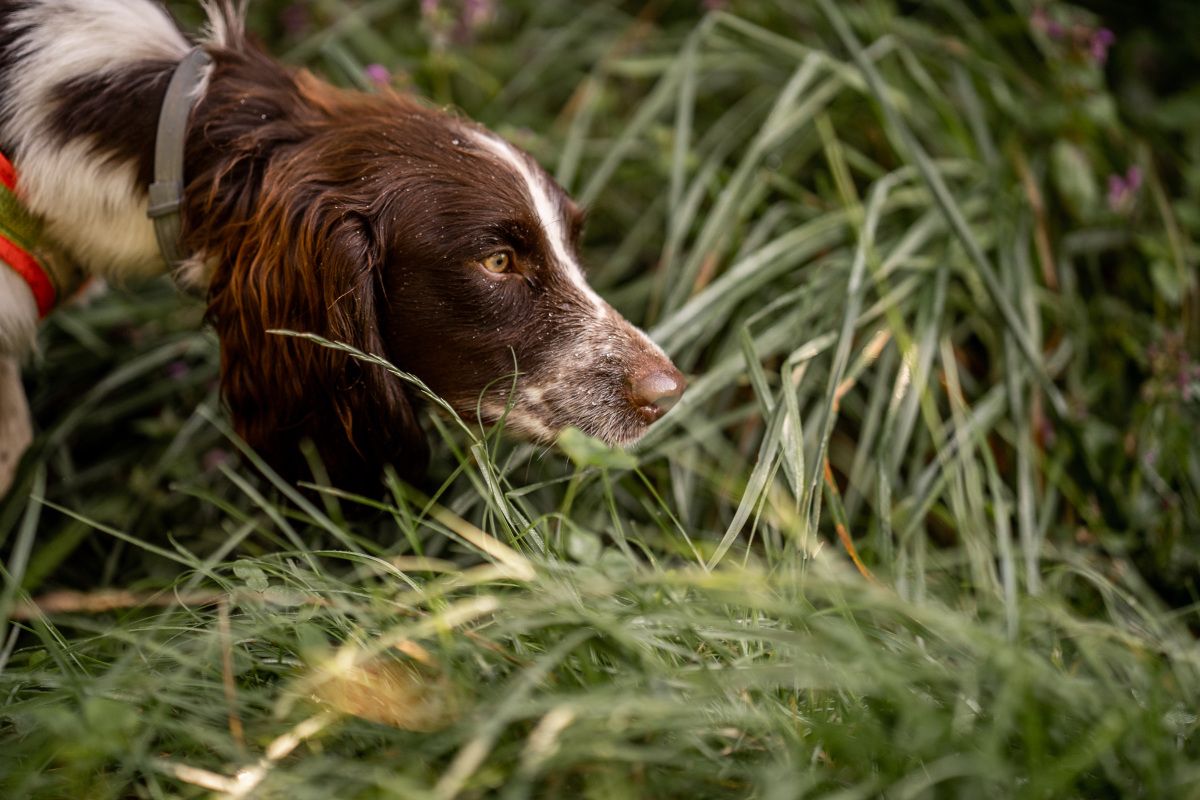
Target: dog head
409, 233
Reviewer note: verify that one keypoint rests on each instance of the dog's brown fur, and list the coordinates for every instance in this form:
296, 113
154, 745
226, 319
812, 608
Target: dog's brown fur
367, 219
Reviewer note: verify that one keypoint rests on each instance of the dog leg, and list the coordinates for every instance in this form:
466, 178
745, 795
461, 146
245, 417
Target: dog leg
18, 336
16, 430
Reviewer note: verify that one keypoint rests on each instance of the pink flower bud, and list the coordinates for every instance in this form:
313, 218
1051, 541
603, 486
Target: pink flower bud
378, 74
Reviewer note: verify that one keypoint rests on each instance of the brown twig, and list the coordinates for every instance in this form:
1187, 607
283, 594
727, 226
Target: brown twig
102, 600
235, 722
870, 353
1041, 234
839, 516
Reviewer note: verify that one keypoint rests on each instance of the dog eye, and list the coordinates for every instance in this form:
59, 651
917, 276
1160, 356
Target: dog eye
499, 262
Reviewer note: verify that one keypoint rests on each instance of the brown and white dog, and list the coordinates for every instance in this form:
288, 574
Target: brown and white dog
369, 219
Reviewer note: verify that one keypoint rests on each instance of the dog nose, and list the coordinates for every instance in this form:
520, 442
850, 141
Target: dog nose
658, 388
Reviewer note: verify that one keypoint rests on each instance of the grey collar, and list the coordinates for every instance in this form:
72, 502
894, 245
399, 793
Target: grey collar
166, 193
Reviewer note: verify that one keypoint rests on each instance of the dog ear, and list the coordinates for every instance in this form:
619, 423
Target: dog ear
308, 263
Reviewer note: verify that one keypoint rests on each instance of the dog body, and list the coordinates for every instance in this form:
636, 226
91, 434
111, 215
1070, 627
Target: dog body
368, 219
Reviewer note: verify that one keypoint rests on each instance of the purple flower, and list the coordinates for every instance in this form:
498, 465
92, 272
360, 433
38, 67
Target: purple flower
1133, 178
177, 370
1116, 191
1101, 40
1122, 189
429, 8
378, 74
714, 5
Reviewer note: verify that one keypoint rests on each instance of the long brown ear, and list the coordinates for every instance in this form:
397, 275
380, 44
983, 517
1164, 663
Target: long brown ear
308, 263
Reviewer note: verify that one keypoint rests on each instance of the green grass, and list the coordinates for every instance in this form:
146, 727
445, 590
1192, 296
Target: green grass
918, 336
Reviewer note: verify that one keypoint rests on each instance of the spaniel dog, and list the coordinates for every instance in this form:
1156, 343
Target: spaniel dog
368, 219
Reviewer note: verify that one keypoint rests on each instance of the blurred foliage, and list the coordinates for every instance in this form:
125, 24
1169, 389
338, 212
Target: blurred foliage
945, 248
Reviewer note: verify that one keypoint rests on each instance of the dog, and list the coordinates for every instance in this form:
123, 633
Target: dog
369, 219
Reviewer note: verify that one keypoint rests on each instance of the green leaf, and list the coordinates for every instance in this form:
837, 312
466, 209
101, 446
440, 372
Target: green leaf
1167, 281
583, 546
254, 578
587, 451
1074, 180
